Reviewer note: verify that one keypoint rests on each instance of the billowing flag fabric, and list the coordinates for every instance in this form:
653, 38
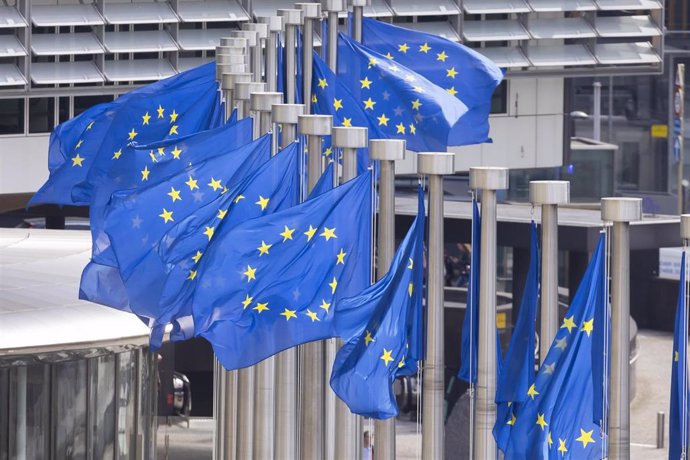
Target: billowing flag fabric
679, 429
382, 330
461, 71
556, 421
184, 104
517, 373
398, 102
138, 166
137, 221
470, 323
325, 182
275, 282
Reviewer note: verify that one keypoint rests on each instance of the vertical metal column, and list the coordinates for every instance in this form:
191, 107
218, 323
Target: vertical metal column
254, 50
434, 165
342, 426
275, 26
620, 211
488, 180
263, 103
261, 37
333, 8
549, 194
357, 16
287, 115
386, 151
242, 94
312, 414
678, 131
292, 18
311, 14
596, 112
227, 85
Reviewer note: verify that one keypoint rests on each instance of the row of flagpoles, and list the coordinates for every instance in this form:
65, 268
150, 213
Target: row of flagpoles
282, 407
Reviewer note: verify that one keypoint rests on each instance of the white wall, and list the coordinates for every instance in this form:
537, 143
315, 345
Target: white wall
530, 135
23, 163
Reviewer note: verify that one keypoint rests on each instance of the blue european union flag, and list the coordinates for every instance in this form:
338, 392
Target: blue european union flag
470, 323
462, 71
556, 420
382, 330
679, 428
134, 167
325, 182
388, 98
517, 372
171, 108
138, 220
275, 282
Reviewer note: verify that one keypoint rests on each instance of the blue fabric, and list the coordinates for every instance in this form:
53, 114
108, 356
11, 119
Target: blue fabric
189, 103
382, 329
138, 221
325, 182
679, 429
254, 303
447, 64
517, 373
101, 281
556, 420
470, 323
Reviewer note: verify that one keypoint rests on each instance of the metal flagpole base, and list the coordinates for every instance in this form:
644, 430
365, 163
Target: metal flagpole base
620, 211
287, 115
242, 92
292, 19
685, 226
488, 180
549, 194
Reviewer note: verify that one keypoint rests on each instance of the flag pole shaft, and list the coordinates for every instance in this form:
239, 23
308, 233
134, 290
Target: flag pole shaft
333, 40
434, 166
357, 16
271, 57
311, 14
292, 18
548, 194
488, 180
345, 444
620, 211
386, 152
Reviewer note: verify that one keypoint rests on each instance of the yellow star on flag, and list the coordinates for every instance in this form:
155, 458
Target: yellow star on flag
161, 151
314, 99
368, 339
173, 116
411, 265
312, 315
416, 104
174, 194
418, 89
366, 83
173, 130
424, 48
132, 134
287, 233
310, 233
401, 363
561, 446
410, 288
383, 120
369, 104
372, 62
585, 437
263, 202
442, 56
328, 233
192, 275
214, 184
238, 198
209, 232
512, 420
333, 284
146, 117
167, 216
325, 305
289, 314
117, 155
196, 257
160, 111
337, 104
386, 356
347, 122
192, 183
261, 307
176, 153
90, 126
263, 249
541, 421
451, 73
675, 356
222, 213
250, 273
81, 141
549, 440
341, 257
532, 392
452, 91
413, 129
145, 173
569, 324
153, 157
77, 160
247, 302
389, 55
323, 83
403, 48
588, 326
400, 128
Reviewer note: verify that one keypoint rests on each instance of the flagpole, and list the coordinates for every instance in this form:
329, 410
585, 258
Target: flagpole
434, 165
549, 194
357, 16
343, 437
386, 152
620, 211
333, 8
261, 31
488, 180
262, 103
685, 236
242, 94
292, 18
275, 26
227, 85
311, 436
311, 14
287, 116
254, 50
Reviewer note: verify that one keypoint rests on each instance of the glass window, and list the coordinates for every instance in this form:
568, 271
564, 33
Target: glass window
41, 114
29, 412
81, 103
103, 391
11, 116
70, 387
499, 100
126, 404
63, 109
